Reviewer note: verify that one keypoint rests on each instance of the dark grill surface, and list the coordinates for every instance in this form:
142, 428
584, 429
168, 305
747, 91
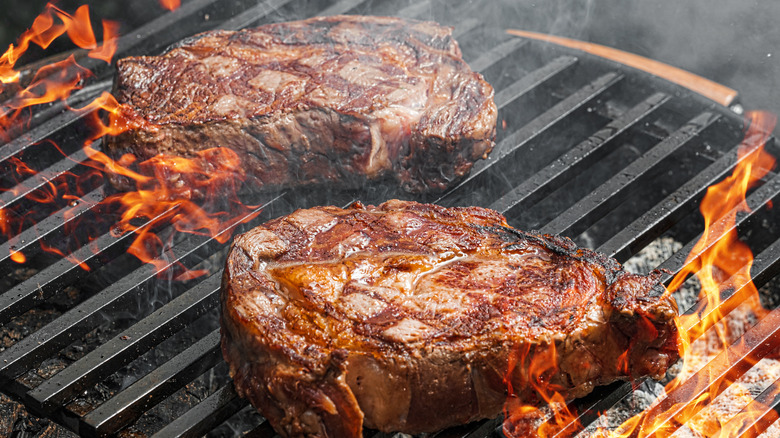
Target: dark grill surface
609, 156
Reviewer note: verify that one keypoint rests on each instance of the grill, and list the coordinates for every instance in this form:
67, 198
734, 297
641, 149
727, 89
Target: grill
608, 155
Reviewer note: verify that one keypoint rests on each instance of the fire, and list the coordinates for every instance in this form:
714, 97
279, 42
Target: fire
196, 195
536, 366
199, 195
56, 81
721, 262
170, 4
189, 193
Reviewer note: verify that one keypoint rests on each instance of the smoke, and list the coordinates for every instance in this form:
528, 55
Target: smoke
733, 42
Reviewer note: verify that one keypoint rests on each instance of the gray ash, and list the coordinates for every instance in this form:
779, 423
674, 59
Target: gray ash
733, 326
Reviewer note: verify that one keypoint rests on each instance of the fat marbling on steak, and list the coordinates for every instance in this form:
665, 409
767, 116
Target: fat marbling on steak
341, 99
404, 316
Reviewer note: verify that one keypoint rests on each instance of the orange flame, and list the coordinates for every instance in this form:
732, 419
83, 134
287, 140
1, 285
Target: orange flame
535, 368
170, 4
720, 261
50, 83
56, 81
211, 169
723, 261
196, 195
168, 189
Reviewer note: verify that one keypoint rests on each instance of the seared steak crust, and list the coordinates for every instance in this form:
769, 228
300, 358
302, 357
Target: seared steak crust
336, 99
404, 317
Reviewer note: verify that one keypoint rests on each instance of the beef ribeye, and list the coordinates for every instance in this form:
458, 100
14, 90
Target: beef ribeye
341, 99
403, 317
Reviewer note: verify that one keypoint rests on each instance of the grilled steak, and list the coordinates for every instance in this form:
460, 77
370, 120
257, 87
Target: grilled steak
405, 317
341, 99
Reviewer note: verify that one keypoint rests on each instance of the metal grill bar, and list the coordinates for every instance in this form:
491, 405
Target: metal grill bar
150, 389
677, 408
140, 37
416, 9
564, 168
149, 38
341, 7
46, 111
606, 196
264, 430
657, 219
524, 135
488, 428
215, 409
591, 410
77, 321
129, 404
62, 273
253, 15
127, 346
26, 241
756, 200
42, 178
147, 391
756, 417
533, 79
51, 125
765, 265
465, 27
498, 53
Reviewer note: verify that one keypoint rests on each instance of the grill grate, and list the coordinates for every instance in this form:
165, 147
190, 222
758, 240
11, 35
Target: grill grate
607, 155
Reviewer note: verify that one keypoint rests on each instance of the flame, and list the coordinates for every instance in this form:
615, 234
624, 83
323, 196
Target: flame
170, 4
535, 367
169, 197
54, 82
196, 195
171, 190
721, 262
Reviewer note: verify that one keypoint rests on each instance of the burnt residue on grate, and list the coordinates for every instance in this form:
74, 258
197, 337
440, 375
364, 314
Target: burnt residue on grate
614, 158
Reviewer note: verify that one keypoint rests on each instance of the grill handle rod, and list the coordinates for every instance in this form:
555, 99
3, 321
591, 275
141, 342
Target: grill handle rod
707, 88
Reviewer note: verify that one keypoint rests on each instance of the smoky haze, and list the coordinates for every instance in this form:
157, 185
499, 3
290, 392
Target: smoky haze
733, 42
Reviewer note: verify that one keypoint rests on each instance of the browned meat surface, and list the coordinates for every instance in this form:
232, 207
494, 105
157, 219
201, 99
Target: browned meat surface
403, 317
340, 99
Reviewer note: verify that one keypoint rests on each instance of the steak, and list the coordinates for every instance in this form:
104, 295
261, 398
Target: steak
406, 317
343, 99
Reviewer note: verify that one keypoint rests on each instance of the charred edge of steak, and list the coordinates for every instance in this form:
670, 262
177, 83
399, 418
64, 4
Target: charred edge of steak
317, 365
340, 100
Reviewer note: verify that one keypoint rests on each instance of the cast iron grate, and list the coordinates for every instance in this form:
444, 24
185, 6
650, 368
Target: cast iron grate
609, 156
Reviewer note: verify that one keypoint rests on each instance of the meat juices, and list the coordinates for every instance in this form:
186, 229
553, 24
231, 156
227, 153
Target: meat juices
339, 100
403, 317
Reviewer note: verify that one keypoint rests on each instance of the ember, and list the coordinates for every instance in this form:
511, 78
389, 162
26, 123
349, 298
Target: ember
170, 4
